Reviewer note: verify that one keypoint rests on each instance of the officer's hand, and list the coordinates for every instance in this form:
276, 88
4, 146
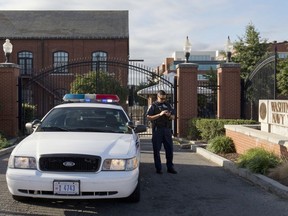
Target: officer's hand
164, 112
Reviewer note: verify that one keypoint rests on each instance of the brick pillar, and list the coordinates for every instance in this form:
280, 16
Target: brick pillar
229, 92
186, 96
9, 74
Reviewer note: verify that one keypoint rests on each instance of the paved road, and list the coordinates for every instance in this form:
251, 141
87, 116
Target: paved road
200, 188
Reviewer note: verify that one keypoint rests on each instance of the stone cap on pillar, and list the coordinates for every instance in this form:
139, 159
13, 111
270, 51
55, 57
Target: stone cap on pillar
229, 65
183, 65
9, 65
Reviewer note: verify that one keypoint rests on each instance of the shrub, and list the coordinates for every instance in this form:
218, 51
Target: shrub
258, 160
221, 144
210, 128
193, 132
3, 142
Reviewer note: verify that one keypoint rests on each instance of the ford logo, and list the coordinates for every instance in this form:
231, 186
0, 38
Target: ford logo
69, 163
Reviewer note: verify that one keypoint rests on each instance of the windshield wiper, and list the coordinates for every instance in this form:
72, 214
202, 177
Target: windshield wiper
53, 129
103, 130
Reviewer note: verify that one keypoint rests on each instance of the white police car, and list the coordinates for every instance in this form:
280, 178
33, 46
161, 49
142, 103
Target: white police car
78, 151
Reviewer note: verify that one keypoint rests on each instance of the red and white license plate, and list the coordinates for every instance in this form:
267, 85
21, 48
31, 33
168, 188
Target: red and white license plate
66, 187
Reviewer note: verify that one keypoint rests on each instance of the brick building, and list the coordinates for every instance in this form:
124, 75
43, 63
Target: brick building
45, 40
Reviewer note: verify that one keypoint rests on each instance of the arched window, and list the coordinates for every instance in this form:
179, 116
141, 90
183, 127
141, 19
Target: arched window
25, 61
99, 59
60, 60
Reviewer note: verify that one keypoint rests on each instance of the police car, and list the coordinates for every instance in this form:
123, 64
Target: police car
79, 150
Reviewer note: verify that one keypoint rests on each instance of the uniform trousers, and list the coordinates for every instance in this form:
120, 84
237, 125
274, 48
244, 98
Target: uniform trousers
159, 136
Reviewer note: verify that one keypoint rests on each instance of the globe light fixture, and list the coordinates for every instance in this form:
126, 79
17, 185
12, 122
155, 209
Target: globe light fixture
229, 49
187, 49
7, 48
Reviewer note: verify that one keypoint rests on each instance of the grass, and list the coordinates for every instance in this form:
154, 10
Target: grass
258, 160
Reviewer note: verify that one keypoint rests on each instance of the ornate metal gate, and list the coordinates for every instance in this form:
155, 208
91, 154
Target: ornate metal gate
44, 89
259, 85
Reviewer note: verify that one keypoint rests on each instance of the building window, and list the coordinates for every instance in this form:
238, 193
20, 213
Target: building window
99, 59
60, 62
25, 61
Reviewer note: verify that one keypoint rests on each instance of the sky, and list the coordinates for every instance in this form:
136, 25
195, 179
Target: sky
157, 28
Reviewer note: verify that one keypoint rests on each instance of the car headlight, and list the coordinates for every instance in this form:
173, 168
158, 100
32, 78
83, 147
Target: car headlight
120, 164
19, 162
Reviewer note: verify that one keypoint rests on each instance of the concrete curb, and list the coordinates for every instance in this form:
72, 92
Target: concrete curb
260, 180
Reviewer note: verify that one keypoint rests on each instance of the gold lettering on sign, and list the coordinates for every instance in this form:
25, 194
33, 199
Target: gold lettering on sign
279, 107
278, 118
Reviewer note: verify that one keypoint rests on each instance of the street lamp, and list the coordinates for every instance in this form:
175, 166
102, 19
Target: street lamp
229, 49
187, 49
7, 48
275, 69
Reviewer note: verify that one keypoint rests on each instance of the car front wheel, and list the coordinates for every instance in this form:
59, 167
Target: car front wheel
135, 196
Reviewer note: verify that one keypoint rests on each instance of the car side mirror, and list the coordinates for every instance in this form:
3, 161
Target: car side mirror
31, 126
140, 128
130, 125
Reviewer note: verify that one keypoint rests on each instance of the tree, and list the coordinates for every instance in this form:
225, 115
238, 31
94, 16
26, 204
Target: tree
106, 84
282, 76
249, 50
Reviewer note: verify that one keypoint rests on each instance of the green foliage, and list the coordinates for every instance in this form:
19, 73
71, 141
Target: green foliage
258, 160
211, 75
210, 128
3, 142
193, 132
29, 111
106, 84
282, 76
249, 50
221, 144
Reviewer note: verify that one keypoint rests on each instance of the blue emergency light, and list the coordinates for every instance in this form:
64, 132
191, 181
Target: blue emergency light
101, 98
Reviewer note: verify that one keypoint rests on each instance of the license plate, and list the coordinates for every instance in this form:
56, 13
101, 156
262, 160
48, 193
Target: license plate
66, 187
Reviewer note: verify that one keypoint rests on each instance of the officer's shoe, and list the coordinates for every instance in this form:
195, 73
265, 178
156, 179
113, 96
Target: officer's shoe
159, 172
172, 170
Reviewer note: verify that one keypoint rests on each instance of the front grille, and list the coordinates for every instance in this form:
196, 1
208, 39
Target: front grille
69, 163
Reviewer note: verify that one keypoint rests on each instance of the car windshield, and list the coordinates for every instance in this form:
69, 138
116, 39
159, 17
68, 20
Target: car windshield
85, 119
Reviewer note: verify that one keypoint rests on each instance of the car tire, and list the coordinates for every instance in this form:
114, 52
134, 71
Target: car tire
135, 196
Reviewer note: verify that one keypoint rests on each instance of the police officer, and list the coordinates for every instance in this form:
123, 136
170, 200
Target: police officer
161, 114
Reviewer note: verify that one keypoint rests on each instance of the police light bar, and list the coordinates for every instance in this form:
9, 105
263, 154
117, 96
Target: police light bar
101, 98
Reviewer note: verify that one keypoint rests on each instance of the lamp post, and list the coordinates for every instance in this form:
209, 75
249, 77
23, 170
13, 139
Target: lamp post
7, 48
275, 69
187, 49
229, 49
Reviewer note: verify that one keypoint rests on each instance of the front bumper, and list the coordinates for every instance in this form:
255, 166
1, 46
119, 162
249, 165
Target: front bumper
101, 185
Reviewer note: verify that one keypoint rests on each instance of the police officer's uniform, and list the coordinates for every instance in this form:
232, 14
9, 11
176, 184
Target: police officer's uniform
162, 133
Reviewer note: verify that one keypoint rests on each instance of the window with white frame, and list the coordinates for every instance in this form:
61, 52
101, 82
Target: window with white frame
60, 62
25, 61
99, 59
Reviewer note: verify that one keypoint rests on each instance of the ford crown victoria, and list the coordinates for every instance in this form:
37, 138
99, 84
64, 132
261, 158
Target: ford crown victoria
78, 151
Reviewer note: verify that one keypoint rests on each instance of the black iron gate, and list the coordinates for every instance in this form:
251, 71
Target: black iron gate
46, 88
260, 84
207, 99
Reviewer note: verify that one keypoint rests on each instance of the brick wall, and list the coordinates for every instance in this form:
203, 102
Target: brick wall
9, 99
229, 92
186, 96
43, 49
245, 139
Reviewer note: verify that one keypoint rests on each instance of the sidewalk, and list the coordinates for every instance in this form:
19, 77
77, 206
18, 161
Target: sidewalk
258, 179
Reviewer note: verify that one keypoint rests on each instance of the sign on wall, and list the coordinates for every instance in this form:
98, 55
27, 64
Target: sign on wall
274, 112
273, 115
